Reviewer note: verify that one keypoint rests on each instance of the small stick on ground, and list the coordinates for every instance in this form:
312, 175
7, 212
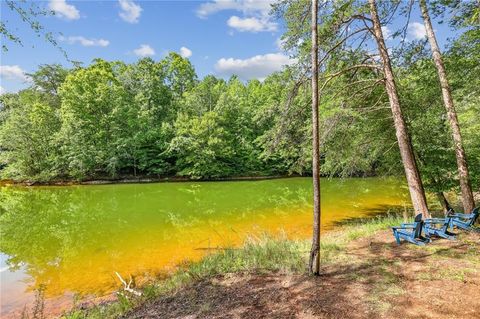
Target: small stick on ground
127, 286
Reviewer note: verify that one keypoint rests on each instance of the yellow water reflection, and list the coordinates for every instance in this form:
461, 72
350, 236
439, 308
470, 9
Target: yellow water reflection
73, 239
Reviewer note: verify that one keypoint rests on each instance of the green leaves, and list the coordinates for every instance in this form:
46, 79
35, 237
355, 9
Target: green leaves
155, 118
94, 114
27, 136
179, 74
203, 147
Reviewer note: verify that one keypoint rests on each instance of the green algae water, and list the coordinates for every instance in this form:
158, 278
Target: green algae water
71, 240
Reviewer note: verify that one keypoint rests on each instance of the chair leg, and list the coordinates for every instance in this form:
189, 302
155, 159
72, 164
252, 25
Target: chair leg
445, 235
424, 239
417, 242
397, 238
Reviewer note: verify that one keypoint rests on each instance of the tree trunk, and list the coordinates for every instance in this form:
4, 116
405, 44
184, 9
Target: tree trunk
314, 263
466, 188
414, 181
443, 202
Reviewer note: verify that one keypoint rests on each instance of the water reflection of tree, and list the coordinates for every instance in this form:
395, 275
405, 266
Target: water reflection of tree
41, 229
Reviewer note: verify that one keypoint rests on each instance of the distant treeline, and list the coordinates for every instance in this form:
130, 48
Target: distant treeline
158, 119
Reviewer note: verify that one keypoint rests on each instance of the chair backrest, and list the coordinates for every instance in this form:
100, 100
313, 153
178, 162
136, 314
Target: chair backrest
418, 226
476, 213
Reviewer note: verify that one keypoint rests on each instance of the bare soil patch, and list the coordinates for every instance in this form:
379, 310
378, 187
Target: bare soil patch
379, 280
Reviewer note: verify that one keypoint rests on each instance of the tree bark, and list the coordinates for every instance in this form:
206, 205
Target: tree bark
463, 175
314, 263
443, 202
415, 186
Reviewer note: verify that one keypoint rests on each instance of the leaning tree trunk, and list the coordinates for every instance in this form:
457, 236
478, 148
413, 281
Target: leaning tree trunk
466, 188
414, 181
314, 264
443, 202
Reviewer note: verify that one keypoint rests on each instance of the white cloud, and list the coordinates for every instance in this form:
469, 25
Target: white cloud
251, 24
130, 11
144, 50
64, 10
185, 52
387, 34
2, 90
255, 14
416, 30
257, 67
13, 72
85, 41
246, 6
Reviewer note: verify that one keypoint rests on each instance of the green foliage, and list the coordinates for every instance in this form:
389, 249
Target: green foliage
27, 136
464, 72
431, 137
154, 118
286, 118
179, 73
429, 126
49, 77
150, 114
461, 13
202, 146
357, 135
94, 115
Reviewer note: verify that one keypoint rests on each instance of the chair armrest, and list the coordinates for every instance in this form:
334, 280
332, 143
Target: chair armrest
459, 215
436, 220
404, 227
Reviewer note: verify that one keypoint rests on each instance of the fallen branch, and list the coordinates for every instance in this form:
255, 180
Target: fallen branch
127, 286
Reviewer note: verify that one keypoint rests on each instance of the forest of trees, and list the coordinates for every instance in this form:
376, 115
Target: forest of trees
156, 118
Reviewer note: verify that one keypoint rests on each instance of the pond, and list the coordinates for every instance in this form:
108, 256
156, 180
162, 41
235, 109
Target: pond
73, 239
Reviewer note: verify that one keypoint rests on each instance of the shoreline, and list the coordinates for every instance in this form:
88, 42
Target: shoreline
147, 180
169, 179
364, 250
254, 254
142, 180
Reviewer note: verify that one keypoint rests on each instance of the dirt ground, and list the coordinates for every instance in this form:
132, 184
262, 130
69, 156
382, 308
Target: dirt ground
378, 279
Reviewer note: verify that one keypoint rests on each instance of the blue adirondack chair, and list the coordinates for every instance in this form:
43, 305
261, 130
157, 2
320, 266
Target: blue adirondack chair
465, 221
411, 232
438, 227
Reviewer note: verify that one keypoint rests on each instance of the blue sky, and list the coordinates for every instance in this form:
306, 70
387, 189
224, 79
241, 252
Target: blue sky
220, 37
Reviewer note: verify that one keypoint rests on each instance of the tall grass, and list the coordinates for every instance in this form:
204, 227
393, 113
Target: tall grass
37, 312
